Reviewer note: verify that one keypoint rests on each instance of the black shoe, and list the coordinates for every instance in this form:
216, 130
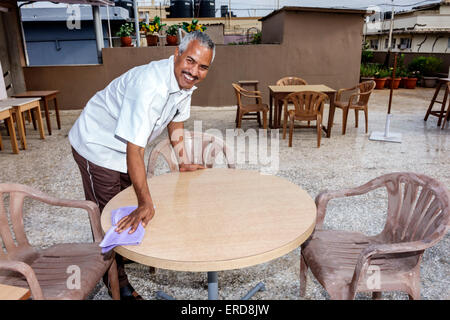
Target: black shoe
127, 293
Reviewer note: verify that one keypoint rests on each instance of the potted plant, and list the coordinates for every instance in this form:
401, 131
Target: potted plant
171, 35
193, 26
411, 81
125, 32
367, 72
427, 66
380, 78
396, 81
152, 30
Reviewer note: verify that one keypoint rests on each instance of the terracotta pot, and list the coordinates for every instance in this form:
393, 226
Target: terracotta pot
171, 40
396, 82
410, 83
403, 81
126, 42
379, 83
152, 40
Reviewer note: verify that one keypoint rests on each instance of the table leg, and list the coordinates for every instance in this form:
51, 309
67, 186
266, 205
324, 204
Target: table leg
213, 286
39, 121
47, 117
259, 287
12, 133
331, 113
270, 109
58, 120
20, 127
164, 296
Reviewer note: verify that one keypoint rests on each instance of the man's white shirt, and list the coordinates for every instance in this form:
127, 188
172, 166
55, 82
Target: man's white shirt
135, 107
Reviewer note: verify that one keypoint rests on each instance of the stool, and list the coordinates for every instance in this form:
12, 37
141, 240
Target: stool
447, 115
46, 97
438, 113
254, 84
6, 113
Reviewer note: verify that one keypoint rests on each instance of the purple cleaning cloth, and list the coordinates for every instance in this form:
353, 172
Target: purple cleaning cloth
113, 238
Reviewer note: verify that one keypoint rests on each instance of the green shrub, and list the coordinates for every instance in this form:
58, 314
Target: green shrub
426, 66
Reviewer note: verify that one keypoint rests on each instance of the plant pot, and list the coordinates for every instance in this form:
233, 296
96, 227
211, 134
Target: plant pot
379, 83
171, 40
410, 83
366, 78
126, 42
403, 81
152, 40
429, 82
396, 82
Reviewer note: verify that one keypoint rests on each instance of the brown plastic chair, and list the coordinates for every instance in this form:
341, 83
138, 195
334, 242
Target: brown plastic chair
308, 107
201, 148
47, 271
363, 94
291, 81
345, 262
244, 108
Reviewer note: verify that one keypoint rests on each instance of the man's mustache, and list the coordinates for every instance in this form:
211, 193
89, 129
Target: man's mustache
189, 74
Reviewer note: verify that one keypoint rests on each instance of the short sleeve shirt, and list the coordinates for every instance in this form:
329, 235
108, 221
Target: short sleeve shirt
135, 107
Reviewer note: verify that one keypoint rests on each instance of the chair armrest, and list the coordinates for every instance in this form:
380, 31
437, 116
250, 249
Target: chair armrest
28, 273
325, 196
89, 206
385, 248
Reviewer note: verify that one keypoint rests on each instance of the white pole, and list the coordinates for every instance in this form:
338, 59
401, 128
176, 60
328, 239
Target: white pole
109, 27
392, 26
136, 23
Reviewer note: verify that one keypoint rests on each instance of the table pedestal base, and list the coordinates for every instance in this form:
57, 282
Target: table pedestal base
213, 289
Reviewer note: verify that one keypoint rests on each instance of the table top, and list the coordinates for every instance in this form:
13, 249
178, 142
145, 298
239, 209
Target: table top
36, 93
298, 88
13, 293
248, 81
13, 102
218, 219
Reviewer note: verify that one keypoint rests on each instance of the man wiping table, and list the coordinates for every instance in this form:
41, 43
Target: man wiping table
109, 138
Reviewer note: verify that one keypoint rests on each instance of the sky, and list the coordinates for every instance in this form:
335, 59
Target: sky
262, 8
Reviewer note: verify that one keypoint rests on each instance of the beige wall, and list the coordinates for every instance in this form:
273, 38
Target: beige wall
319, 47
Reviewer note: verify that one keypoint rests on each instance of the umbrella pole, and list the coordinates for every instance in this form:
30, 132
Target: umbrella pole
387, 135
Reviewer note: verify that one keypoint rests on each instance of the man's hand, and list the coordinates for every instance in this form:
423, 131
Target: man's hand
143, 213
190, 167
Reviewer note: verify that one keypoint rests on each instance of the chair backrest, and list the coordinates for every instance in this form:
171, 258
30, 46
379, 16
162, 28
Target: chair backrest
244, 96
307, 103
202, 148
418, 208
291, 81
365, 87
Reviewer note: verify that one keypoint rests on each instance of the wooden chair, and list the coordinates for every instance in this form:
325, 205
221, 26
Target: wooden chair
363, 94
344, 262
244, 108
201, 148
47, 271
309, 106
291, 81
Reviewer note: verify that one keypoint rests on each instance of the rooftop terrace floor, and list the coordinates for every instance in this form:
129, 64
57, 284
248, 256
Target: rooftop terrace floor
342, 161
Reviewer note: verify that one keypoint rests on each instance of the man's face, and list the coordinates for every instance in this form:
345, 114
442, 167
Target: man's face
192, 65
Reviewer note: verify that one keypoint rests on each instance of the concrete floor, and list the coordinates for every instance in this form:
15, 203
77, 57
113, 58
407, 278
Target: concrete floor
340, 162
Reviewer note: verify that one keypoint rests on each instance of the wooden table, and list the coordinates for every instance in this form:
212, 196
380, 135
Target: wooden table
218, 219
20, 105
14, 293
46, 97
278, 93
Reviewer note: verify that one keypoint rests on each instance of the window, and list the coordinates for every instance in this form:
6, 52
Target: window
448, 44
386, 42
405, 43
374, 44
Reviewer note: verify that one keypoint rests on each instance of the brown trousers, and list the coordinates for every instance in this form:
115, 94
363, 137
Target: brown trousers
101, 185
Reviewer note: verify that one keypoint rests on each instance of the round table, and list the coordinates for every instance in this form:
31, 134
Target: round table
218, 219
